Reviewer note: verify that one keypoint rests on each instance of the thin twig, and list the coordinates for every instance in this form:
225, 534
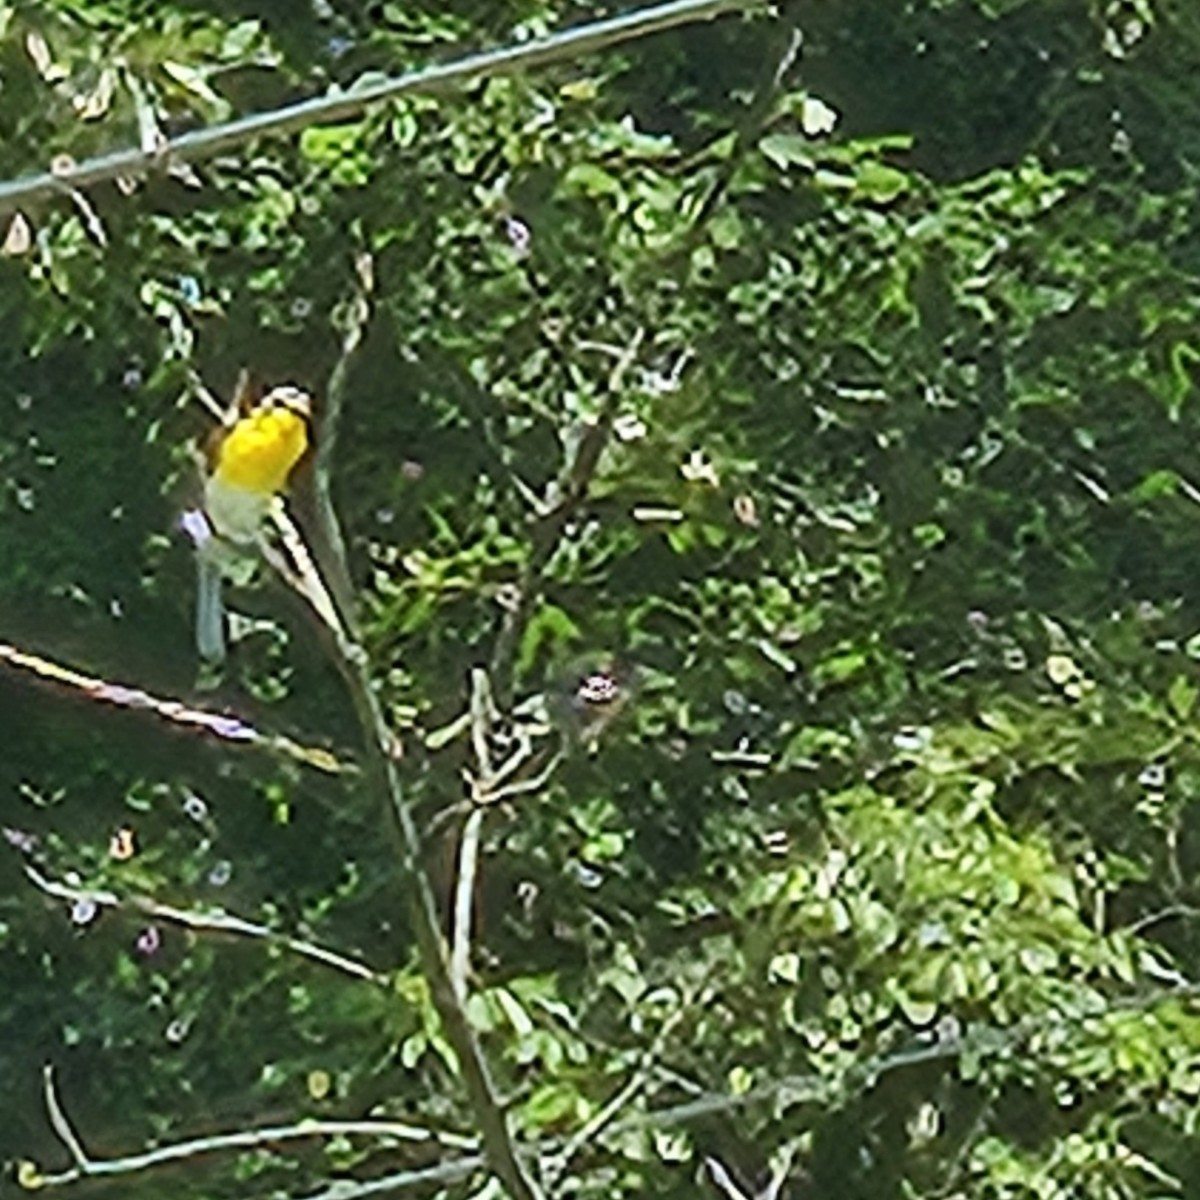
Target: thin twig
483, 716
985, 1043
332, 556
243, 1139
199, 391
608, 1112
343, 106
489, 785
212, 921
447, 1172
59, 1122
752, 123
299, 570
524, 787
464, 899
1165, 914
722, 1179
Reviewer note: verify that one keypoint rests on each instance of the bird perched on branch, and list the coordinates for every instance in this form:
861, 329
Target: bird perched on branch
247, 464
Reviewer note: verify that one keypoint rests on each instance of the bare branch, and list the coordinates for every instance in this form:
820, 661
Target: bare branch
1170, 913
987, 1042
299, 571
489, 785
331, 546
228, 728
489, 1116
482, 715
213, 921
247, 1139
723, 1180
447, 1172
464, 900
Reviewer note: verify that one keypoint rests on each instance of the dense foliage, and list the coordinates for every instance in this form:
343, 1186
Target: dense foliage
894, 531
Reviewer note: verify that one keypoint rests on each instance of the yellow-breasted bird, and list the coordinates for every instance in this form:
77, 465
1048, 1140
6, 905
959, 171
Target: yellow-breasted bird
247, 465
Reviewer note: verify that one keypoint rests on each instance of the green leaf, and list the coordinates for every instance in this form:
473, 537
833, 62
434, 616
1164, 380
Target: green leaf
879, 182
324, 145
587, 179
1181, 696
787, 150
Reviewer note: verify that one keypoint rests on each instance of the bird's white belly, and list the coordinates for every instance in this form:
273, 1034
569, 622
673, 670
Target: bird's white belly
235, 513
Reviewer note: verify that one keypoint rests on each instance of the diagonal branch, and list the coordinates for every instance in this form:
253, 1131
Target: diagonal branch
342, 106
464, 900
754, 120
227, 728
331, 546
608, 1113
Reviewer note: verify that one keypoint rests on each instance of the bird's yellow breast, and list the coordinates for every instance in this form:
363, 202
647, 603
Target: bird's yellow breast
259, 452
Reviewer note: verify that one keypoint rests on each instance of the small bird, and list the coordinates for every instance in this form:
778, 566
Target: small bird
247, 464
590, 696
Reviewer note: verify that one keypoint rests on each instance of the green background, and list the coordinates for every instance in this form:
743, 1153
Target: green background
904, 803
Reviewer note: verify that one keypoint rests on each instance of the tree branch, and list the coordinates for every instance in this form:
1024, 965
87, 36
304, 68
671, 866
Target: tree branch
381, 753
753, 121
220, 725
464, 899
216, 921
342, 106
59, 1122
986, 1042
244, 1139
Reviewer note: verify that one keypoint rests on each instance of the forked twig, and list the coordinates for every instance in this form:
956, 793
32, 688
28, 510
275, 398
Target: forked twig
489, 785
482, 714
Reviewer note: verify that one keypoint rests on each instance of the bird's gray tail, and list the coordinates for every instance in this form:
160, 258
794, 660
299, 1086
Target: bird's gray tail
210, 610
